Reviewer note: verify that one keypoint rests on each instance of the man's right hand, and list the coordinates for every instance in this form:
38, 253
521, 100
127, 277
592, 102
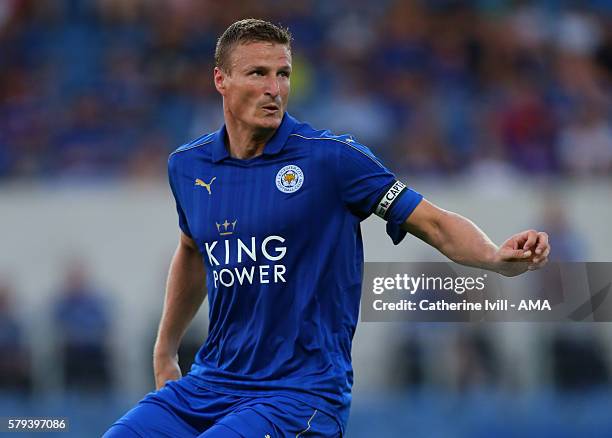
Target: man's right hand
166, 368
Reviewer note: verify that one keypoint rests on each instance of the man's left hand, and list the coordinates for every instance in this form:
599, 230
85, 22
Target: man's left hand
525, 251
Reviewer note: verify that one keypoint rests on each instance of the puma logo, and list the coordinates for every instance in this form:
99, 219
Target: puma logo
199, 182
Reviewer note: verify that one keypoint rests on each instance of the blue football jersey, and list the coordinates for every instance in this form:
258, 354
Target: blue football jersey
280, 237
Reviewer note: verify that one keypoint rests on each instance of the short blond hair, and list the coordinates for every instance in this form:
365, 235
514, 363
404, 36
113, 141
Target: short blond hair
246, 31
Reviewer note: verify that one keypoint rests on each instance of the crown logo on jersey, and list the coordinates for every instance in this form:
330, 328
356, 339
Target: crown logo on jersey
226, 228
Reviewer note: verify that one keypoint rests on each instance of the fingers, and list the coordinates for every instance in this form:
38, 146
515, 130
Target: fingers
529, 247
508, 254
528, 244
542, 244
542, 250
539, 261
532, 238
540, 264
540, 256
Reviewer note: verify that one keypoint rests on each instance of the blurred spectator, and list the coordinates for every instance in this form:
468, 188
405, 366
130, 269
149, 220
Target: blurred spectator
578, 361
567, 243
585, 145
603, 53
408, 362
354, 109
14, 355
476, 364
82, 322
84, 146
527, 129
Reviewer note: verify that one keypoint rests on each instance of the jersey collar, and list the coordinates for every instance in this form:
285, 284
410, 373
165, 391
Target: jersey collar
274, 146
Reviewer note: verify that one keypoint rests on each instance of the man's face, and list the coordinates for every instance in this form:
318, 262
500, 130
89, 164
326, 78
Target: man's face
256, 89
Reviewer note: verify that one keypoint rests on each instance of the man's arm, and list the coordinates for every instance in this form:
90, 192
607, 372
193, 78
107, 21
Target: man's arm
463, 242
185, 292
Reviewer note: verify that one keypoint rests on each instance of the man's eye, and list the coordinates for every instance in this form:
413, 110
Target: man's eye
257, 73
284, 74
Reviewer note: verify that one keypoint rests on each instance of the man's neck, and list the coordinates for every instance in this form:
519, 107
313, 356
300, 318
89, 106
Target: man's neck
244, 142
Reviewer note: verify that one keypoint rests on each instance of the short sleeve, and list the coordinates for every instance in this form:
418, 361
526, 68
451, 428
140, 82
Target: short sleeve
369, 187
172, 176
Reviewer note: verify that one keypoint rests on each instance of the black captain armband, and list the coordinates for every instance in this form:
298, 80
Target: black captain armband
386, 201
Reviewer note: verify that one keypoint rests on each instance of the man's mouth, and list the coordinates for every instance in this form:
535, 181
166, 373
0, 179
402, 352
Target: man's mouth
271, 107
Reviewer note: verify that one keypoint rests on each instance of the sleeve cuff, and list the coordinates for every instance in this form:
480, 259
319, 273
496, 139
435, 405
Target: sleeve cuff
401, 209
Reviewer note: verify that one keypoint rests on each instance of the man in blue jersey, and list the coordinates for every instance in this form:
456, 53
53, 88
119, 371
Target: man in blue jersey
269, 211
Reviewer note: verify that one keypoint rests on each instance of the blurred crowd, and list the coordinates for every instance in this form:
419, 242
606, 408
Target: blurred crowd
106, 88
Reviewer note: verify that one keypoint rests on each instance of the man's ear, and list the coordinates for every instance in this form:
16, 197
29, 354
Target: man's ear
219, 78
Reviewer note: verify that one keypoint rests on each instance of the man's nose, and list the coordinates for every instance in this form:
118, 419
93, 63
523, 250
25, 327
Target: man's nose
272, 87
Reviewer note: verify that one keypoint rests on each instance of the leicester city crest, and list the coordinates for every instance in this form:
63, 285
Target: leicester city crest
289, 179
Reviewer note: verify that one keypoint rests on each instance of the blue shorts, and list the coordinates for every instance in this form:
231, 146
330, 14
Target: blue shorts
184, 408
